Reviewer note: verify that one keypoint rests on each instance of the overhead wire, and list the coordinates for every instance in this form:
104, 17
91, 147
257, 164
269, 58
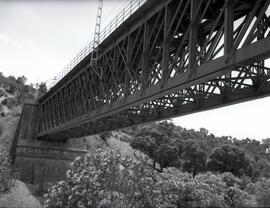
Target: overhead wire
115, 5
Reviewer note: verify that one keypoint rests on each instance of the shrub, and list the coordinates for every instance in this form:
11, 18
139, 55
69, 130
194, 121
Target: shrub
263, 192
4, 102
215, 182
10, 90
235, 197
104, 136
229, 179
1, 130
7, 173
2, 93
11, 102
125, 138
105, 180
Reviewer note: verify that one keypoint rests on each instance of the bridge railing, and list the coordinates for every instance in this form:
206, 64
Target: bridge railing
118, 20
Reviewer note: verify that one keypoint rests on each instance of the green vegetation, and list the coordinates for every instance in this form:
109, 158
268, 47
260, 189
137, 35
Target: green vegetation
7, 173
29, 90
198, 151
1, 130
180, 168
13, 92
104, 179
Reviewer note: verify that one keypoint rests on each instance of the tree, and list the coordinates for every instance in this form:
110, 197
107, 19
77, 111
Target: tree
11, 89
167, 155
42, 89
263, 167
228, 158
159, 141
12, 78
263, 192
194, 158
21, 80
266, 145
146, 144
30, 91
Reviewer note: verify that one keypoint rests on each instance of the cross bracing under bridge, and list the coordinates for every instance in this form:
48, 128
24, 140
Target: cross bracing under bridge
169, 58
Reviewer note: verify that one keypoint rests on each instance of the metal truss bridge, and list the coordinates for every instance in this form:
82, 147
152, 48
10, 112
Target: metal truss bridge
168, 58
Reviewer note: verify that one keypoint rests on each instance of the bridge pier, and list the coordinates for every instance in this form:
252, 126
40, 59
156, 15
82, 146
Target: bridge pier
41, 162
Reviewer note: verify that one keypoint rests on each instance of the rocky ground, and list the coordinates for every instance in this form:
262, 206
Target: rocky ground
19, 196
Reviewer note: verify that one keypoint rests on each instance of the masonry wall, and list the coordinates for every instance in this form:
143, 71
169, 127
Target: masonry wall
41, 162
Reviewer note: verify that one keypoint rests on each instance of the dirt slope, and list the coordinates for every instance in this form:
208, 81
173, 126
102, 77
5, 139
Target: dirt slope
19, 196
8, 125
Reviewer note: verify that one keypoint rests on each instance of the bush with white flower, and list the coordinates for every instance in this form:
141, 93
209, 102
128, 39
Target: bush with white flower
105, 180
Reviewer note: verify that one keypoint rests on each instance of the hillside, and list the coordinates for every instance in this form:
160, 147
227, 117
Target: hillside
10, 109
19, 196
9, 101
8, 126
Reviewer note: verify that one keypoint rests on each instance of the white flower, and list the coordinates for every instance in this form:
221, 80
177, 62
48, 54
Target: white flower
78, 158
80, 204
61, 183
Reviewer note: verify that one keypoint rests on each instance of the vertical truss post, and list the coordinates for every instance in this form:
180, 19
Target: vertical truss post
68, 103
201, 87
260, 79
127, 68
72, 104
261, 31
228, 32
63, 106
193, 36
166, 45
145, 58
42, 118
228, 38
60, 108
55, 111
51, 114
47, 116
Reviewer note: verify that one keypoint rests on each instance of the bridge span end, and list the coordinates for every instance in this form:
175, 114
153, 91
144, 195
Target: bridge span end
40, 162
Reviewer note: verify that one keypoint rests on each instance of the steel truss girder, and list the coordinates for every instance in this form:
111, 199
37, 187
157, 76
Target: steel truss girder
181, 47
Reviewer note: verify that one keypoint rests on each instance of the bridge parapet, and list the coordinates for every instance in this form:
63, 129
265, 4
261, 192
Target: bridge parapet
124, 14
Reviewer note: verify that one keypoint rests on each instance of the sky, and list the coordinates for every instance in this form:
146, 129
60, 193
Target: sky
38, 38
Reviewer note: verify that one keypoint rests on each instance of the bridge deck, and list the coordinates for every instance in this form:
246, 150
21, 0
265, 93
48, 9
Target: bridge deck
169, 58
